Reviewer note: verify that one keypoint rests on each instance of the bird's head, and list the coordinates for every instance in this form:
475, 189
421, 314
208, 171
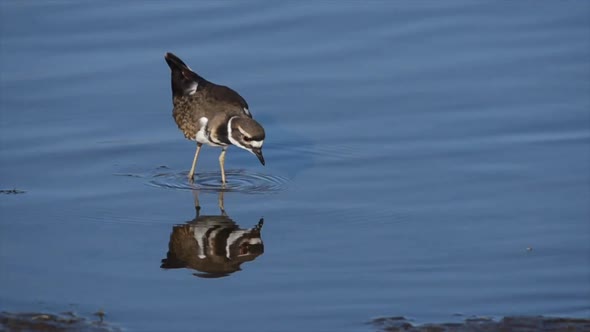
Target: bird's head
246, 133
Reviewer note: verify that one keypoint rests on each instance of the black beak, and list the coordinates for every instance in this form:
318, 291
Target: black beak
258, 153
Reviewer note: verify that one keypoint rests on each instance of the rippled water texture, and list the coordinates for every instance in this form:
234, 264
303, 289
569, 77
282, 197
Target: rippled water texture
427, 160
241, 181
238, 181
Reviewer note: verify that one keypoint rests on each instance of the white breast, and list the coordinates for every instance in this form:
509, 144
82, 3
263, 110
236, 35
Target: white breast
202, 136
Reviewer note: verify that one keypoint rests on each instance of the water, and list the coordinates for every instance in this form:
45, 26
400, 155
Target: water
414, 152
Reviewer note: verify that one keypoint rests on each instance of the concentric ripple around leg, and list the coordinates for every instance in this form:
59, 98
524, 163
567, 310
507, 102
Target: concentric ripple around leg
237, 181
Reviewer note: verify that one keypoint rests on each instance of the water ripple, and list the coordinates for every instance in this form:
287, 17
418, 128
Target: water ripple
242, 181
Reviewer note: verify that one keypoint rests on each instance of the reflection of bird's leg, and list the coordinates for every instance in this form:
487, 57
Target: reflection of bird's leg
222, 163
220, 202
197, 205
192, 172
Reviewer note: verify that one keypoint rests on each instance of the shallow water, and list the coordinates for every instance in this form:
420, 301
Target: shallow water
423, 160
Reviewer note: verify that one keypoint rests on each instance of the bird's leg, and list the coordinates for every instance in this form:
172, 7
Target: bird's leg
192, 172
221, 164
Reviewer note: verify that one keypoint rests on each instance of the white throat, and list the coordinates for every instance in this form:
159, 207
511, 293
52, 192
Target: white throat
256, 144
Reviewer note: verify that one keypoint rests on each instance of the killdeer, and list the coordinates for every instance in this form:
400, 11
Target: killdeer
212, 114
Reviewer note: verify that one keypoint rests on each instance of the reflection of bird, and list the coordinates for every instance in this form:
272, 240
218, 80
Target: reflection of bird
214, 245
212, 114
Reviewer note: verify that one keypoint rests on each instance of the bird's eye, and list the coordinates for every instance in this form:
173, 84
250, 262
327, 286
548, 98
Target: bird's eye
247, 139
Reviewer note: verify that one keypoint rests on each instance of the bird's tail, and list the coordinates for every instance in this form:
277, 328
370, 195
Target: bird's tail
184, 80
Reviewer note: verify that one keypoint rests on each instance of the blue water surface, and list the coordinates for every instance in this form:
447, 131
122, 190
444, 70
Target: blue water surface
424, 159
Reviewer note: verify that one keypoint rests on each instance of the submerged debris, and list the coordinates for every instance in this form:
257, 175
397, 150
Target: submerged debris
66, 322
484, 324
13, 191
100, 313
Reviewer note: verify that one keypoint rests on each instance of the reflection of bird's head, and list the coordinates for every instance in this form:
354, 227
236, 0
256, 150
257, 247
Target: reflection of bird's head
249, 245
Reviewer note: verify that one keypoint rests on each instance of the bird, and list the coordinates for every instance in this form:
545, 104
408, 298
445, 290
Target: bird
212, 114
